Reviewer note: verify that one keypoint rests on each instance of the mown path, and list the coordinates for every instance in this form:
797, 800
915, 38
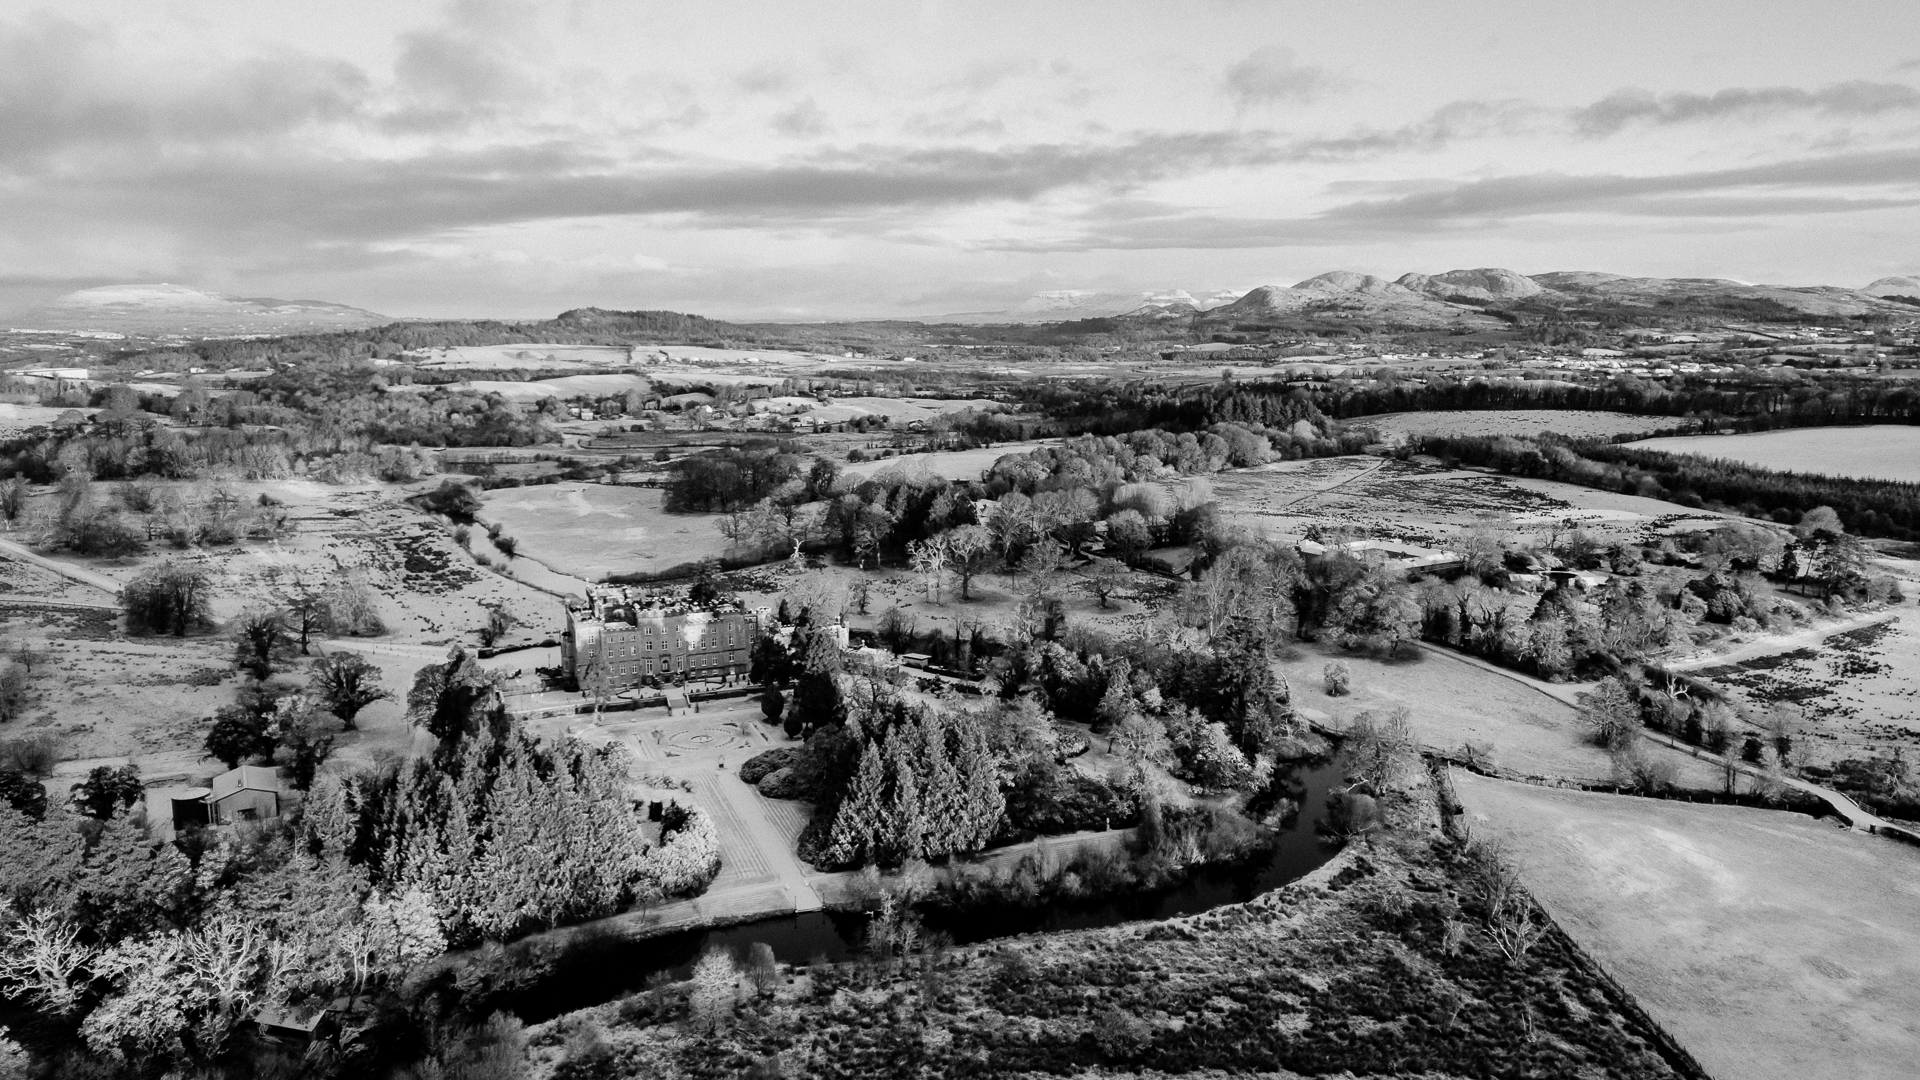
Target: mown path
1848, 811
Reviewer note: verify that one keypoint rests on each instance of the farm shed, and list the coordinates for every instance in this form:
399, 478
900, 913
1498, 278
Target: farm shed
248, 793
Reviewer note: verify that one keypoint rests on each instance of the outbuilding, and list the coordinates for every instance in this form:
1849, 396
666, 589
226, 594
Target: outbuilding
248, 793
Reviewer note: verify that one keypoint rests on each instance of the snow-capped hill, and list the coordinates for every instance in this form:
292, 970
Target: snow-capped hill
1486, 283
164, 308
1348, 297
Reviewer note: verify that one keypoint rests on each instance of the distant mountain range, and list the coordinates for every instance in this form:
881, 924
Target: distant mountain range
178, 309
1482, 299
1460, 298
1068, 305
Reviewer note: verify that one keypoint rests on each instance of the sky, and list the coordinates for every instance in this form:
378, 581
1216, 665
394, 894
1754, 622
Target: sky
815, 160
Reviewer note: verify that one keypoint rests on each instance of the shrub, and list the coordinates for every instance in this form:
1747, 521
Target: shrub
761, 765
34, 755
1069, 801
1339, 678
14, 686
453, 499
785, 784
171, 598
687, 859
24, 794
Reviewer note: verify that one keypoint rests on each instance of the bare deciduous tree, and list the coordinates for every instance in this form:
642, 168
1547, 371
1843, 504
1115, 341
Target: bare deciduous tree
41, 958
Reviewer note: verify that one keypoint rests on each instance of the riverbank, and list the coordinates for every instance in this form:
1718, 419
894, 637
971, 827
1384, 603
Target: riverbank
578, 966
1368, 964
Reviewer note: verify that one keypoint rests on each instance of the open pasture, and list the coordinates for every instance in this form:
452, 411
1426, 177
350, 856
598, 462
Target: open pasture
896, 410
1856, 691
1423, 503
1874, 452
1769, 944
1573, 423
703, 354
512, 357
592, 530
947, 464
526, 393
111, 699
16, 418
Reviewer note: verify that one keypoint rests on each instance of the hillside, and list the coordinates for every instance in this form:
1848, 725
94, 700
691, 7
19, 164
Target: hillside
1815, 300
1341, 296
1894, 286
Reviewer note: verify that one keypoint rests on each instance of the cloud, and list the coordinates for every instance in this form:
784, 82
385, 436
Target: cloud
68, 86
804, 120
245, 204
1788, 188
1272, 74
1544, 193
448, 80
1444, 126
1628, 107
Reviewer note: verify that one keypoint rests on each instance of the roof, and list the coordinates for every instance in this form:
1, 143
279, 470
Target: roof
292, 1018
247, 778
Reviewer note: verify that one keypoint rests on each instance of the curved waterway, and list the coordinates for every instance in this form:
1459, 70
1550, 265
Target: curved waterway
601, 971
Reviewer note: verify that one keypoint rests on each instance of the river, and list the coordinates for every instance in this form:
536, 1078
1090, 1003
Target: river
601, 970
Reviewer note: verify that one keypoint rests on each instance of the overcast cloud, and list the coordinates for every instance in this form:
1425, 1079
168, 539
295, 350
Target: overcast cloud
492, 157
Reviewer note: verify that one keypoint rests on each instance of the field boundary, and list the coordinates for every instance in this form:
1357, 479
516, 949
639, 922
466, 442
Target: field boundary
1665, 1044
1678, 1057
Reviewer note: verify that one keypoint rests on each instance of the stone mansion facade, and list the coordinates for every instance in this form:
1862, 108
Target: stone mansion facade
621, 637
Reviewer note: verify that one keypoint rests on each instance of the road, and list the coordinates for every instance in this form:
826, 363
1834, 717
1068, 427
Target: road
11, 550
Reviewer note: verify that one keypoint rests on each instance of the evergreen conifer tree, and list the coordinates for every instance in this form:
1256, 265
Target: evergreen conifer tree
857, 823
906, 826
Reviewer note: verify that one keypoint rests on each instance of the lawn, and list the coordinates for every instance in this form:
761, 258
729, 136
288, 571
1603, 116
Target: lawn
1454, 702
592, 530
1769, 944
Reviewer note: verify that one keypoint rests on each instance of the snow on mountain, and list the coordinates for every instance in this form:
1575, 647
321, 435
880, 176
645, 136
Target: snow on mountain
1067, 305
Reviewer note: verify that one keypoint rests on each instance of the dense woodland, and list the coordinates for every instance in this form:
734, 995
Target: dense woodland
130, 958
